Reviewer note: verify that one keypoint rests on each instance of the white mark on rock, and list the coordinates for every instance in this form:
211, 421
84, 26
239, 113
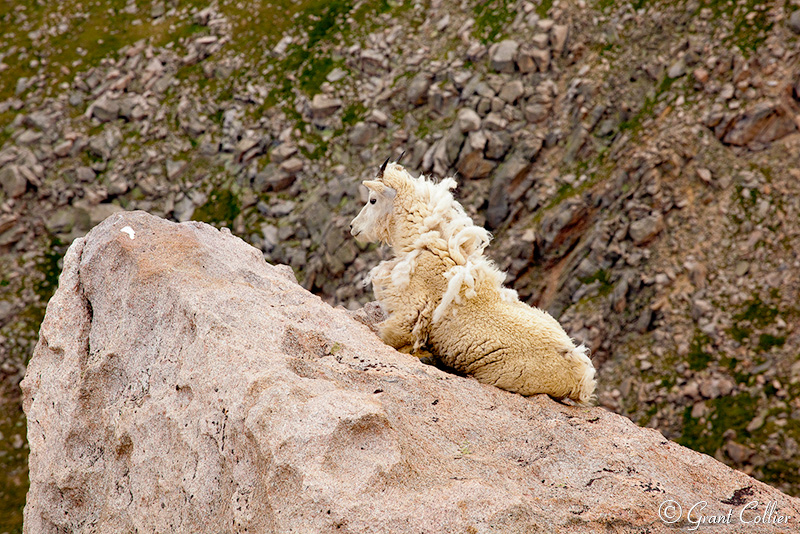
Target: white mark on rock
128, 230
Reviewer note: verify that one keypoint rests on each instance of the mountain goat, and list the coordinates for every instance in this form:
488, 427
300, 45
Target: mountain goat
441, 293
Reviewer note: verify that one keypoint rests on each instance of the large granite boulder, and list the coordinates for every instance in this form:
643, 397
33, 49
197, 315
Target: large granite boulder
182, 384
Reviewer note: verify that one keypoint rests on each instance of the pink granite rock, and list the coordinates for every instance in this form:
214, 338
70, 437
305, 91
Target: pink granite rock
181, 384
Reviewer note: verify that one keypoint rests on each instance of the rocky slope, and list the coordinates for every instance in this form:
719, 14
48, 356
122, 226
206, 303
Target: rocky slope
183, 384
637, 162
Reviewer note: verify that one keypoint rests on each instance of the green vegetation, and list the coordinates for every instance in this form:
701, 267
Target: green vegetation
543, 8
633, 124
778, 472
750, 22
86, 39
601, 276
492, 17
755, 314
319, 150
747, 200
732, 412
739, 333
741, 376
353, 113
308, 61
43, 281
13, 467
312, 59
698, 359
648, 415
220, 209
749, 19
49, 266
565, 191
767, 341
324, 22
602, 5
315, 71
6, 117
758, 313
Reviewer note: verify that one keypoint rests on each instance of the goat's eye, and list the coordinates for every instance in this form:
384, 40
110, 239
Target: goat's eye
373, 200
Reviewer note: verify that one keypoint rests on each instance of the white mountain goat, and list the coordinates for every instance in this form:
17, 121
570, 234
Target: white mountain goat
441, 293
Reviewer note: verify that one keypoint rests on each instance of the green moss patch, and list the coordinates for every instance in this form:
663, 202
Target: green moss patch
767, 341
698, 359
780, 472
601, 276
755, 314
353, 113
758, 313
13, 467
733, 412
220, 209
492, 17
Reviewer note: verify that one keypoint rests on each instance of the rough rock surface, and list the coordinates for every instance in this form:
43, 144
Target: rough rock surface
182, 384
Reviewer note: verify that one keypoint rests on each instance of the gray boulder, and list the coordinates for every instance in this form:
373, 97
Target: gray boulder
502, 55
794, 21
417, 92
13, 181
644, 230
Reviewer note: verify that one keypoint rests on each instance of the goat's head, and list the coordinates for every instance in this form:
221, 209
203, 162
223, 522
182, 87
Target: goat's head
373, 223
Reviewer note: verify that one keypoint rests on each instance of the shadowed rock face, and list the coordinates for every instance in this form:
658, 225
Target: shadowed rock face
181, 384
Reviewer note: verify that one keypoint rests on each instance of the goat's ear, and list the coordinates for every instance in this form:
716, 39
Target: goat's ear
380, 188
374, 185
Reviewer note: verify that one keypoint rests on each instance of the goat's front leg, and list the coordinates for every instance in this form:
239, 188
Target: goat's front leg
403, 343
396, 332
407, 325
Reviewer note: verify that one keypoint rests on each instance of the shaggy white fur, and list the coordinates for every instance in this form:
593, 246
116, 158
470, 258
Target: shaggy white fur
442, 293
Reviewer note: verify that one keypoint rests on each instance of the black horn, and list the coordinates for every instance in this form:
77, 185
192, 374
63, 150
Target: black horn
383, 168
403, 153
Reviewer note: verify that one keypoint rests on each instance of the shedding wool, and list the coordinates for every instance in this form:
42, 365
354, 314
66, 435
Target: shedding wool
443, 295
